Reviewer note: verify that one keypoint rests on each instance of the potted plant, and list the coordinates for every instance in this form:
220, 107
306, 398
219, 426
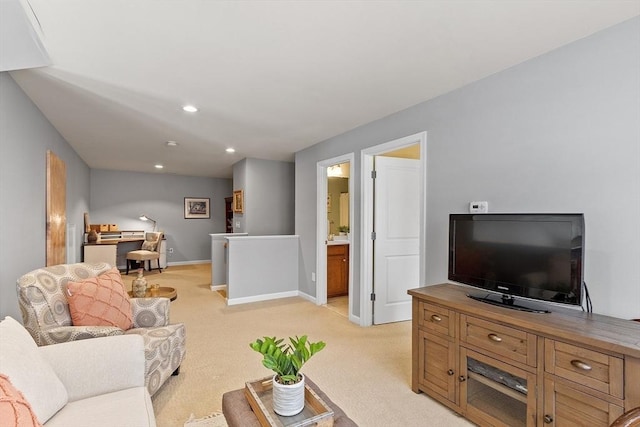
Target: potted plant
286, 360
343, 229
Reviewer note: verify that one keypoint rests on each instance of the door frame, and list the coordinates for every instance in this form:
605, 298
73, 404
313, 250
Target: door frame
321, 227
367, 210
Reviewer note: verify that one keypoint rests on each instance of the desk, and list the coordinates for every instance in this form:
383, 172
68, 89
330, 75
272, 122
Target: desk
101, 252
113, 251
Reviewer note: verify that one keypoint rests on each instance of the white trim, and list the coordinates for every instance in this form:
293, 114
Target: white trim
269, 237
264, 297
203, 261
353, 318
321, 226
218, 287
307, 297
366, 210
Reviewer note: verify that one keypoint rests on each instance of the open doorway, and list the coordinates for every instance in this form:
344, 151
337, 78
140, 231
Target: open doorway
334, 271
393, 228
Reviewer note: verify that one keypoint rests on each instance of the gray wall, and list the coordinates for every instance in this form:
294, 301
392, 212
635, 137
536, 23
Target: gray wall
121, 197
268, 196
25, 137
559, 133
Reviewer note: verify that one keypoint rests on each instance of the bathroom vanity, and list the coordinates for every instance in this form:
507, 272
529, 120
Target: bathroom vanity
337, 268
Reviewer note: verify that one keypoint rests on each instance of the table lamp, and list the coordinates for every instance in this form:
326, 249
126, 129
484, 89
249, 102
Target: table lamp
146, 218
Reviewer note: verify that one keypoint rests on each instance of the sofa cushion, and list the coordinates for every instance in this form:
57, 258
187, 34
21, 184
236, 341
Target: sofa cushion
29, 372
100, 301
130, 407
15, 411
148, 245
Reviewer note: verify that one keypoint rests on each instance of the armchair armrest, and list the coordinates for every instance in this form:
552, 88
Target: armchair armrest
92, 367
150, 312
62, 334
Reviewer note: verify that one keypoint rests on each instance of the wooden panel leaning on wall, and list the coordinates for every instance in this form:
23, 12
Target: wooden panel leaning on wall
56, 210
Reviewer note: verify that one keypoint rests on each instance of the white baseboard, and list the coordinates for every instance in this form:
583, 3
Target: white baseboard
307, 297
218, 287
265, 297
204, 261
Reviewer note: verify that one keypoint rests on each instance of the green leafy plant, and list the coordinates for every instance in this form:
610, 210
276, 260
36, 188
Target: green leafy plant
286, 359
343, 229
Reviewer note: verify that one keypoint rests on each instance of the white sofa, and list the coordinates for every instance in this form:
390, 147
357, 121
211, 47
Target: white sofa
97, 382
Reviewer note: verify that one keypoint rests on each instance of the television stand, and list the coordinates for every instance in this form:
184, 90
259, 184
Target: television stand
507, 301
518, 369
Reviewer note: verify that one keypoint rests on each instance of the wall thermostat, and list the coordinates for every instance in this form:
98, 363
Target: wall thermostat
479, 207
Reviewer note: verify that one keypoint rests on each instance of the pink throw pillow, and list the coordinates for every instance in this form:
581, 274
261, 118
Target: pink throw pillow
100, 301
15, 411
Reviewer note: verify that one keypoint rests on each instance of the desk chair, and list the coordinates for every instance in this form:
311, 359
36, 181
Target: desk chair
149, 251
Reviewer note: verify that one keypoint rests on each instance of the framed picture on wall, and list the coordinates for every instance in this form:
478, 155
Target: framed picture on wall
196, 208
238, 201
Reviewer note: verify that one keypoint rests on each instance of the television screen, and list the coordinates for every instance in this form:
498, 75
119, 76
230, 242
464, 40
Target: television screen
536, 256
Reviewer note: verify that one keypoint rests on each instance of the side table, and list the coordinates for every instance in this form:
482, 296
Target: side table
238, 412
165, 292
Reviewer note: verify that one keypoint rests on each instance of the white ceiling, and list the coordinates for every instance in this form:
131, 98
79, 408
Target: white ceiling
271, 77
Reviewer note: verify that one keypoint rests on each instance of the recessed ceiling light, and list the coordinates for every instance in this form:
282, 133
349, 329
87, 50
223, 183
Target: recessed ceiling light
230, 150
159, 166
189, 108
172, 144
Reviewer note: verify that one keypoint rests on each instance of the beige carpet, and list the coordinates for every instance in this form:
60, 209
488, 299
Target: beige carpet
339, 305
212, 420
366, 371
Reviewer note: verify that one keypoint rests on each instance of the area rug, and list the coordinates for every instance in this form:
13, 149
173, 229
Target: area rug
213, 420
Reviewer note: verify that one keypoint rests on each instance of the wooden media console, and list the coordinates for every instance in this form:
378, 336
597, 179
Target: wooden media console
503, 367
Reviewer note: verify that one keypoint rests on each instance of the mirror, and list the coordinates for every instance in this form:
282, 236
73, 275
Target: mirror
338, 201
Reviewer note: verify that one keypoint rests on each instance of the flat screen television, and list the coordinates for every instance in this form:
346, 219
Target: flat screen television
536, 256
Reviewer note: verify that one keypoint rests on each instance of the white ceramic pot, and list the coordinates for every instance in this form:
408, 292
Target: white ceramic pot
288, 400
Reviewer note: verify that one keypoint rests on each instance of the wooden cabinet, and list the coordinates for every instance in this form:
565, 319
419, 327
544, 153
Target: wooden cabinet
437, 363
337, 270
593, 393
503, 367
496, 393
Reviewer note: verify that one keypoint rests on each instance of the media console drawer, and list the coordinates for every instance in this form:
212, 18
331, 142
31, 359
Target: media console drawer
508, 342
436, 319
595, 370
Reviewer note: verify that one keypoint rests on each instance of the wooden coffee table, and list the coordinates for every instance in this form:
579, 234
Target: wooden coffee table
238, 412
163, 291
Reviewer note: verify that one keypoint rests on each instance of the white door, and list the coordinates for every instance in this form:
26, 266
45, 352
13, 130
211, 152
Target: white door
397, 237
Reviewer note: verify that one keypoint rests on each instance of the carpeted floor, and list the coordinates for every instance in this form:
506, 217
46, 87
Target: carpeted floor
212, 420
366, 371
339, 305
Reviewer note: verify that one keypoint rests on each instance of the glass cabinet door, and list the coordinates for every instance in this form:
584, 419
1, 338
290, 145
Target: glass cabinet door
496, 393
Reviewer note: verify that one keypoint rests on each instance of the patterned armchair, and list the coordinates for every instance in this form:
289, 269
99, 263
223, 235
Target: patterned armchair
45, 313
